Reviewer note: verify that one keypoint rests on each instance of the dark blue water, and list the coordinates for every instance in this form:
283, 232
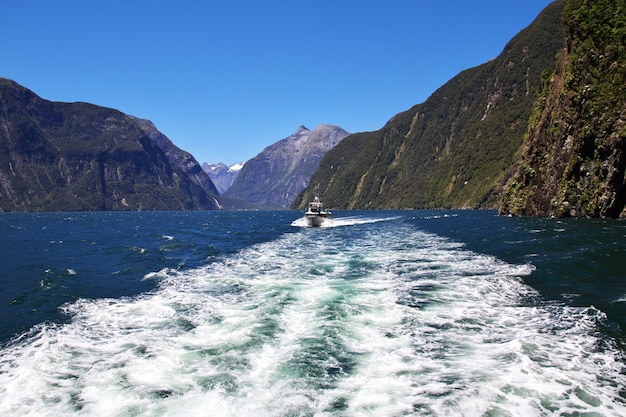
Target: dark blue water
247, 313
49, 259
579, 262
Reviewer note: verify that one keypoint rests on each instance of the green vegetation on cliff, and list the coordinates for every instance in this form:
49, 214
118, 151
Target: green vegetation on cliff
573, 159
455, 149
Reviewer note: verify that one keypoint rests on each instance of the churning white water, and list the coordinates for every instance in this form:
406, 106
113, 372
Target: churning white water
369, 321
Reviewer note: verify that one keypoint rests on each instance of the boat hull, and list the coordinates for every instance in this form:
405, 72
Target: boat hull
316, 215
315, 220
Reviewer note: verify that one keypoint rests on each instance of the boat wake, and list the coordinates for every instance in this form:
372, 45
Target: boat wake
341, 222
379, 321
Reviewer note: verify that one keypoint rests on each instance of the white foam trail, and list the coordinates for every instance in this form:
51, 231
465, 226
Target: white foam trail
384, 322
342, 221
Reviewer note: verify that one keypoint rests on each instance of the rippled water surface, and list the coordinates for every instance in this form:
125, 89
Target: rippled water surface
425, 313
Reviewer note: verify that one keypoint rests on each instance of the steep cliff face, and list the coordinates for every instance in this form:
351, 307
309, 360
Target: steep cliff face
574, 157
77, 156
273, 178
184, 160
454, 149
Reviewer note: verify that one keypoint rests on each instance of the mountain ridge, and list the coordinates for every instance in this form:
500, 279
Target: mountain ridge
274, 177
57, 156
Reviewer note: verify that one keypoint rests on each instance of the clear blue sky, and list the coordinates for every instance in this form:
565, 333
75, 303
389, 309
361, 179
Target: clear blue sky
224, 79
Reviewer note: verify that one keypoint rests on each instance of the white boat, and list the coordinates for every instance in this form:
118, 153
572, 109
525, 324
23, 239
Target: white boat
316, 214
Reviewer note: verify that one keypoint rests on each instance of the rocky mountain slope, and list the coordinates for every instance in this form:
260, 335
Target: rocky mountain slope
184, 160
574, 158
78, 156
222, 175
455, 149
274, 177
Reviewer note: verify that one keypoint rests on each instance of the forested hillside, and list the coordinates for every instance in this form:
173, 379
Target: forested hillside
455, 149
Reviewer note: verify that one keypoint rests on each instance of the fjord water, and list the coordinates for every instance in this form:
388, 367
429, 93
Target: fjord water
426, 313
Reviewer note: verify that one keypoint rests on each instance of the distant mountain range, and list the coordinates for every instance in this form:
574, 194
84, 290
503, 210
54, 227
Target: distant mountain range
222, 175
274, 177
78, 156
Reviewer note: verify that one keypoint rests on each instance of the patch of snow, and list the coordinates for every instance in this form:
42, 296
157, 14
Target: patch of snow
236, 167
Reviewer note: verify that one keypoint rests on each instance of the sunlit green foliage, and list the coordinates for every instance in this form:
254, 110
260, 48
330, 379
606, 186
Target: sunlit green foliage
455, 149
577, 135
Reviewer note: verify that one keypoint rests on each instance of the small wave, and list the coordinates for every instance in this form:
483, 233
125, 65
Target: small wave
440, 216
621, 299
